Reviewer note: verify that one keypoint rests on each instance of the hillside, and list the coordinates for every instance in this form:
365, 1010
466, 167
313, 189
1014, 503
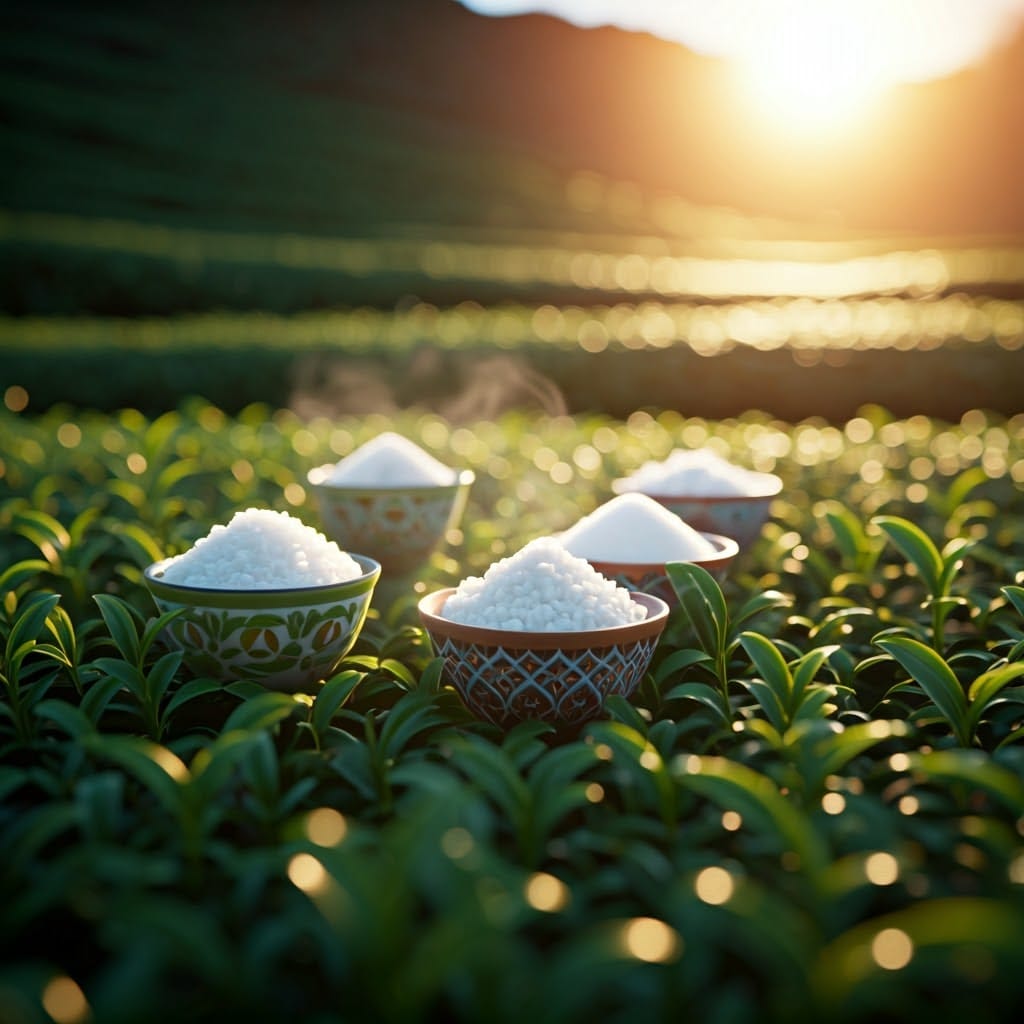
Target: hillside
350, 118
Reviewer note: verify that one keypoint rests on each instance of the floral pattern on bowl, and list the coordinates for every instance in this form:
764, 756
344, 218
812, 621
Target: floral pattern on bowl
399, 526
283, 639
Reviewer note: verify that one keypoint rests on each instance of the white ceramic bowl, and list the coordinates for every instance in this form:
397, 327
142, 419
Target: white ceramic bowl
398, 526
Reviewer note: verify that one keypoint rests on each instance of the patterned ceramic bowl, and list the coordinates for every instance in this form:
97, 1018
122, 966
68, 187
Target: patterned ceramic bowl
507, 676
399, 526
738, 516
284, 639
651, 578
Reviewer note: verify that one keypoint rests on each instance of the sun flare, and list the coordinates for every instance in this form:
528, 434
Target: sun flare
819, 67
815, 74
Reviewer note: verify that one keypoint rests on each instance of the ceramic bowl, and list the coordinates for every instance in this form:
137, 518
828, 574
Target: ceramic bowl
398, 526
651, 577
284, 639
738, 516
508, 676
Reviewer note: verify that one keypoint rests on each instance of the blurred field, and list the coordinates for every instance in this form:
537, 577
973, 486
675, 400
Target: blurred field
209, 204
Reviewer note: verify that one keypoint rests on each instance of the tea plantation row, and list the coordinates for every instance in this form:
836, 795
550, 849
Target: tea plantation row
813, 807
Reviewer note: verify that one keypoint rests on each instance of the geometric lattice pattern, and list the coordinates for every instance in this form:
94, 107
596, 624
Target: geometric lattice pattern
507, 686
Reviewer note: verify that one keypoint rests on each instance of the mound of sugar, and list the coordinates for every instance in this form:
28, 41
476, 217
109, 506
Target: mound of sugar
542, 589
388, 460
635, 528
700, 473
260, 549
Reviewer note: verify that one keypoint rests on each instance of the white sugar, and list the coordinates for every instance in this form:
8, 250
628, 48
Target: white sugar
542, 589
701, 473
388, 460
260, 549
634, 528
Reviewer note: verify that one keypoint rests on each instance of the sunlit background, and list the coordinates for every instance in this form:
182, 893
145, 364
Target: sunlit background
383, 199
807, 65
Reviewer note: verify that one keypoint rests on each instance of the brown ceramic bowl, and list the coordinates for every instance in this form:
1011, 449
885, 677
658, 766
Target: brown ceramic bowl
508, 676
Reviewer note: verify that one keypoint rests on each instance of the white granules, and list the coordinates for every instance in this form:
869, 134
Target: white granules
260, 549
542, 589
388, 460
701, 473
635, 528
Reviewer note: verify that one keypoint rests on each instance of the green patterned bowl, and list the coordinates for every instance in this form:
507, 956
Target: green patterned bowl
284, 639
506, 676
399, 526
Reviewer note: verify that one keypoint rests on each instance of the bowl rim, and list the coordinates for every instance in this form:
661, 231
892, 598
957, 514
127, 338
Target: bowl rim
727, 549
771, 491
430, 605
268, 597
463, 478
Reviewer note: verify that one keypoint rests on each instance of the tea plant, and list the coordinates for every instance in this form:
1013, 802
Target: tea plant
809, 809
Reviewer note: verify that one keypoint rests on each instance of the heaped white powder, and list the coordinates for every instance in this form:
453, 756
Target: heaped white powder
700, 473
542, 589
260, 549
635, 528
389, 460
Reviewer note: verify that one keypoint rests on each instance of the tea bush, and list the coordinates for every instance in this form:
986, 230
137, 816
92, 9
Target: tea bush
812, 808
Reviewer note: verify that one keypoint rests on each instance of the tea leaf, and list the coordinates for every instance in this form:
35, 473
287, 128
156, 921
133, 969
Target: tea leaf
702, 602
935, 678
915, 545
121, 624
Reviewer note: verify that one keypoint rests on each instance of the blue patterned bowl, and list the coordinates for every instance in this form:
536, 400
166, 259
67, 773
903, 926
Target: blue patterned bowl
652, 578
284, 639
398, 526
738, 516
506, 676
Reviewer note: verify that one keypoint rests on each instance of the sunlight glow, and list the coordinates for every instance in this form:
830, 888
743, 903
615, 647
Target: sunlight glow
807, 65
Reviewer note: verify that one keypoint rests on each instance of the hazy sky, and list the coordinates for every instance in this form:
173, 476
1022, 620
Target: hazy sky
914, 39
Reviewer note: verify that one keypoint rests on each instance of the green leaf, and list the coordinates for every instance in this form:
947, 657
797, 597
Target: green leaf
975, 767
42, 529
261, 711
68, 717
126, 674
155, 767
679, 660
99, 694
413, 714
190, 691
703, 694
839, 748
768, 661
850, 538
492, 771
702, 602
757, 798
935, 678
32, 615
21, 572
1015, 595
331, 696
121, 624
986, 688
915, 545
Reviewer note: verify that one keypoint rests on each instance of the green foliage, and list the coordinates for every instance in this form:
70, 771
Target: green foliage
809, 809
